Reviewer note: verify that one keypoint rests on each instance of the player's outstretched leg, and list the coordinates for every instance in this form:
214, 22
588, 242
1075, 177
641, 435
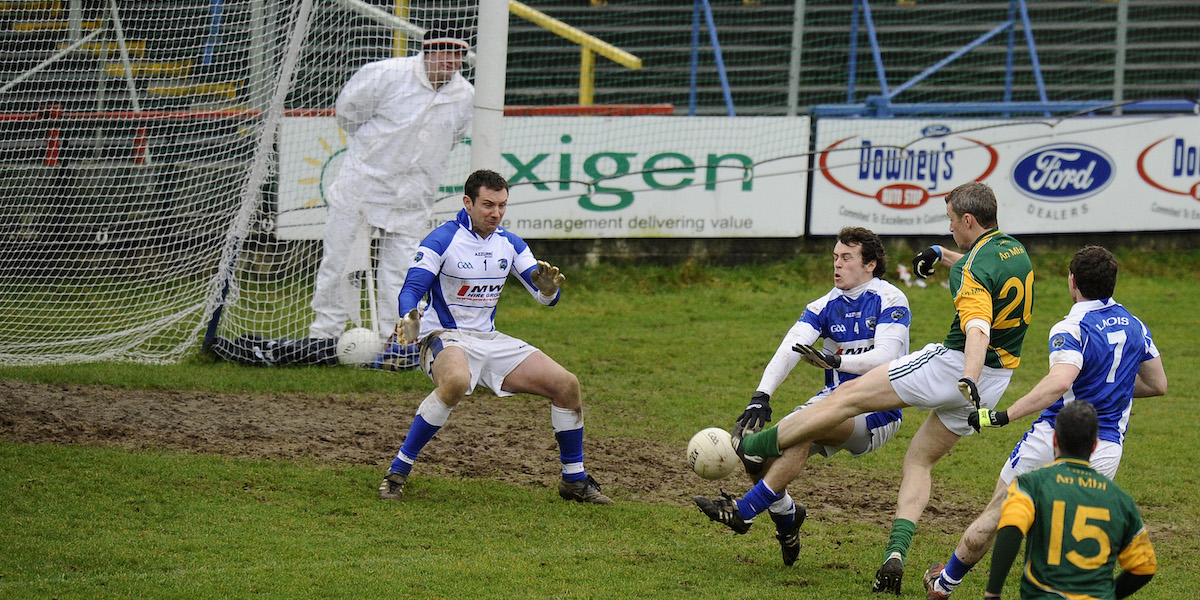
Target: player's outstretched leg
724, 510
887, 578
788, 533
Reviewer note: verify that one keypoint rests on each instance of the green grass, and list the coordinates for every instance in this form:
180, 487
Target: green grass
661, 352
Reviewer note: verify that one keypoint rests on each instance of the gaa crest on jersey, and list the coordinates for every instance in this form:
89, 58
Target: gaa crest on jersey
1058, 341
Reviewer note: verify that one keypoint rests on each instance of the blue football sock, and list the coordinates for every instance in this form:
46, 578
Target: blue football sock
570, 453
756, 500
954, 572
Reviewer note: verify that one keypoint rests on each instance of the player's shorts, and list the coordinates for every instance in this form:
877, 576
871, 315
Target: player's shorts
928, 379
871, 430
491, 356
1036, 449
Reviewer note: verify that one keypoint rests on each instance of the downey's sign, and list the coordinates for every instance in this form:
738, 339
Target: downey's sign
1092, 174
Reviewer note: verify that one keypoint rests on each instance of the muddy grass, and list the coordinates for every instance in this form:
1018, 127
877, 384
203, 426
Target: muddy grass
486, 438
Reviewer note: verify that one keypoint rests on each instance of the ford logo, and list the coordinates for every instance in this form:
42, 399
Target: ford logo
935, 130
1063, 172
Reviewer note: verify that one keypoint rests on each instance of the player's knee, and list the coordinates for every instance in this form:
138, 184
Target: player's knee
564, 391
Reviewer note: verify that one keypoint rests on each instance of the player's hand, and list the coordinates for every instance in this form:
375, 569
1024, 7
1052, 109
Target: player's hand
822, 359
757, 414
966, 387
408, 328
547, 279
987, 418
926, 260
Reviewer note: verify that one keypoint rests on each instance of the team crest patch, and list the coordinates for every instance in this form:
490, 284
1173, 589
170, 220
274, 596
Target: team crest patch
418, 257
1058, 341
897, 314
871, 322
504, 264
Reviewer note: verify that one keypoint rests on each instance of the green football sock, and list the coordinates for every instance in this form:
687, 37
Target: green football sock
901, 538
764, 443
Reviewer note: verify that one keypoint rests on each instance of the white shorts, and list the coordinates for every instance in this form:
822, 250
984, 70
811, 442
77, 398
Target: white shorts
491, 356
928, 379
865, 437
1036, 450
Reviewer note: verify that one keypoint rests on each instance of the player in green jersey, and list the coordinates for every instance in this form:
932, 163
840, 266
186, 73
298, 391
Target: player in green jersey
992, 283
1079, 524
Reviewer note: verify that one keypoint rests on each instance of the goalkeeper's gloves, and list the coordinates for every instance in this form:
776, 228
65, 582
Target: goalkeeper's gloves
987, 418
926, 260
756, 415
408, 328
822, 358
966, 386
547, 279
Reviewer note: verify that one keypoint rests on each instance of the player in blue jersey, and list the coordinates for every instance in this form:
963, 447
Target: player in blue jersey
1100, 354
864, 323
462, 267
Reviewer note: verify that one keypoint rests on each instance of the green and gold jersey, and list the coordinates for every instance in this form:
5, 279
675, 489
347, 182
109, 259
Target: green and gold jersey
993, 281
1078, 525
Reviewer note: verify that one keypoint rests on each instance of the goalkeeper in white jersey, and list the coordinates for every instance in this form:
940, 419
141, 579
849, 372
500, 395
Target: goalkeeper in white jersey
461, 267
864, 323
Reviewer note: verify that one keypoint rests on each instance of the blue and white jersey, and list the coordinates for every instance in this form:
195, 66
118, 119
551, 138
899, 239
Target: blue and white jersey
1109, 345
867, 325
463, 274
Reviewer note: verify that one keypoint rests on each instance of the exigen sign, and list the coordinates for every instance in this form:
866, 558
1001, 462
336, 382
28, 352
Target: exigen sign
598, 177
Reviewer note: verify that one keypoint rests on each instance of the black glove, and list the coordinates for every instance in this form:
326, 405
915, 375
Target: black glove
988, 418
757, 414
966, 386
926, 260
822, 358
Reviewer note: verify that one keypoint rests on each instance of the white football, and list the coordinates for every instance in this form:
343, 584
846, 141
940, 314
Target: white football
711, 455
359, 346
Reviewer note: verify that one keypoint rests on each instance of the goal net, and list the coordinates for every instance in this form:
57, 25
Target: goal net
140, 163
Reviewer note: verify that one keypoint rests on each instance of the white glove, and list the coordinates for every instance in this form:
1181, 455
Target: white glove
408, 328
547, 279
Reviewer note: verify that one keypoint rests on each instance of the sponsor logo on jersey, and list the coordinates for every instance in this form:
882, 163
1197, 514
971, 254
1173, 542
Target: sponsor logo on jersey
1172, 166
907, 177
1062, 172
480, 292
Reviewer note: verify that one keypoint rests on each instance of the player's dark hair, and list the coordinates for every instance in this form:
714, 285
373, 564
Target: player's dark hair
1076, 427
1095, 271
484, 178
975, 198
871, 247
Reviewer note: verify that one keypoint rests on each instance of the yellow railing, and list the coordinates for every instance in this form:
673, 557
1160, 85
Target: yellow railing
590, 46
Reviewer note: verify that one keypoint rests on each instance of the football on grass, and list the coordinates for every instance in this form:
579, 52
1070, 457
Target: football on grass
710, 453
358, 347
